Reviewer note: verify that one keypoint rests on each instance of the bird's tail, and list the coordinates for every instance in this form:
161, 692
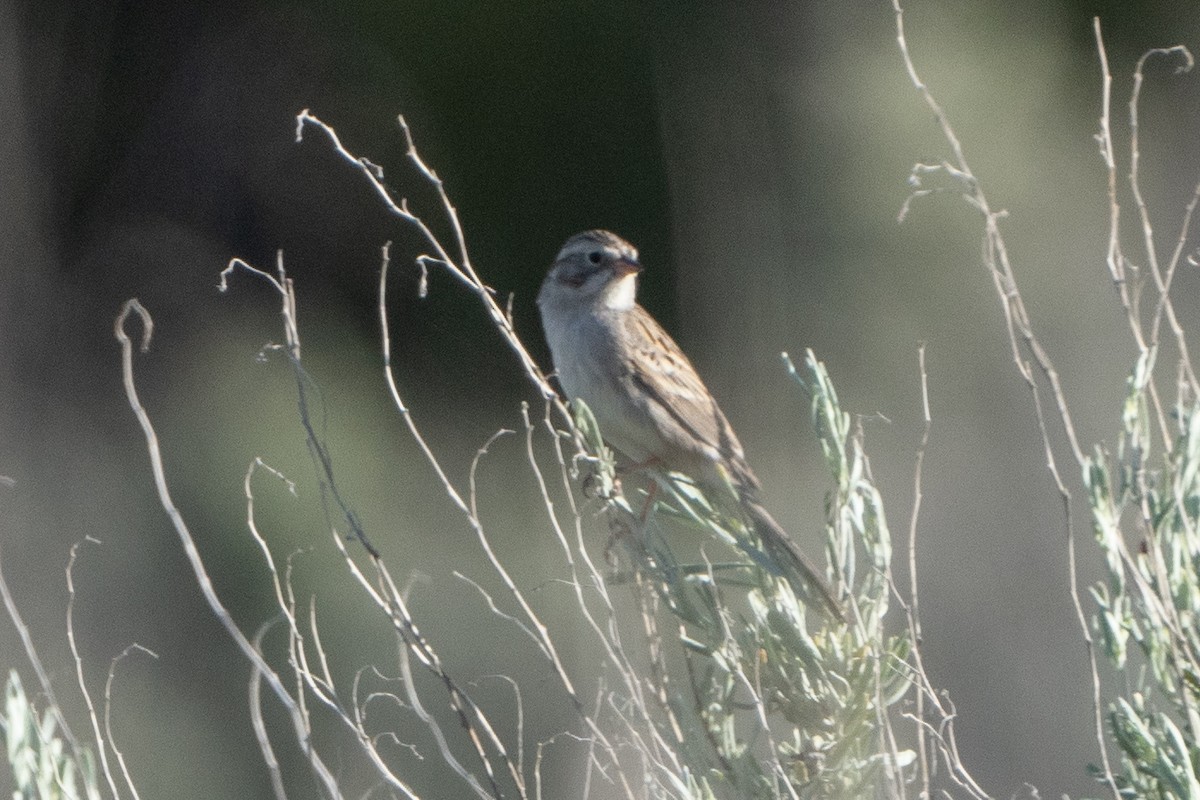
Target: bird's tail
780, 546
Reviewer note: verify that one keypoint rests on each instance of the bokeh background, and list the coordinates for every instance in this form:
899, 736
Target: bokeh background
757, 153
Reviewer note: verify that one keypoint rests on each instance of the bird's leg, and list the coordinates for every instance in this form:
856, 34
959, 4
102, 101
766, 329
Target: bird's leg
651, 493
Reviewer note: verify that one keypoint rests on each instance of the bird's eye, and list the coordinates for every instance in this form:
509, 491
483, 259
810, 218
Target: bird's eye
595, 256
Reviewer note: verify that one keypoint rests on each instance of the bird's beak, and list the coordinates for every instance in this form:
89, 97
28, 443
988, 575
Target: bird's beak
626, 266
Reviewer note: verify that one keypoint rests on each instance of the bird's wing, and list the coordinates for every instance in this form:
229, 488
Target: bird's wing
677, 397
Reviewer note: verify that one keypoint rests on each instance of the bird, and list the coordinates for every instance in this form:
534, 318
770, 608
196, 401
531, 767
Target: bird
648, 400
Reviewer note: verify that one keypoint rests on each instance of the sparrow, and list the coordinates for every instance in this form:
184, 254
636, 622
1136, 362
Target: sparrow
646, 396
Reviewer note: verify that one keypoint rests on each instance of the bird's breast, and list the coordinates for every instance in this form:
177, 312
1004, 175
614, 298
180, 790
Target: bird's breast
590, 362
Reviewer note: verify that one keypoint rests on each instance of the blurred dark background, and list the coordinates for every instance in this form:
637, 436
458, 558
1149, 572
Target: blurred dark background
757, 153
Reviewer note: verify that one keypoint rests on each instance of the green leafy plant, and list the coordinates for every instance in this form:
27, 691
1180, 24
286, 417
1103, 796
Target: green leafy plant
44, 766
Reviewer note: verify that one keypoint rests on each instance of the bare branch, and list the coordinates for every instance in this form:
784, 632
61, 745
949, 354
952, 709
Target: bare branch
133, 307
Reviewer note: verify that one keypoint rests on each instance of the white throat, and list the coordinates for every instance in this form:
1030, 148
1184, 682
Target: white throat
622, 295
